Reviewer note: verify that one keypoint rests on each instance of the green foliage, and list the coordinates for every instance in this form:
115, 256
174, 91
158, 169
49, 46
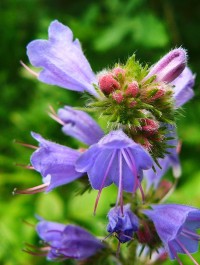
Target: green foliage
109, 31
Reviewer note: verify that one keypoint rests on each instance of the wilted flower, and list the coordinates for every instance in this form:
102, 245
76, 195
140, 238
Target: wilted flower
66, 241
122, 225
177, 227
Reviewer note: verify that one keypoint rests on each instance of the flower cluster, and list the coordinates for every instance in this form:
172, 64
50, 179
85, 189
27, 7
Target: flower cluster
138, 145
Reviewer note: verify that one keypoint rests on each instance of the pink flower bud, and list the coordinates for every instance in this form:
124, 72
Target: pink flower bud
118, 71
118, 96
170, 66
132, 104
159, 94
108, 84
150, 126
132, 89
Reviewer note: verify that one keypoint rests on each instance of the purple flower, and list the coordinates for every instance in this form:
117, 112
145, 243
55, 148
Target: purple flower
177, 227
183, 87
170, 66
80, 125
124, 225
55, 162
62, 60
67, 241
172, 69
115, 159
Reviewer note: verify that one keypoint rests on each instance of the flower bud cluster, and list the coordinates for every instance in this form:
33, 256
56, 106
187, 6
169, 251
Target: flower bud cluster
139, 105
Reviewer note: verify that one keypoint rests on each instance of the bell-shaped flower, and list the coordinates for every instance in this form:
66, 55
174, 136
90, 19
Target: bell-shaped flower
62, 60
66, 242
80, 125
56, 164
176, 225
123, 225
115, 159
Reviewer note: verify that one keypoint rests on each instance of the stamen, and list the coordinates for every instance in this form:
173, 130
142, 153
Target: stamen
52, 110
186, 251
120, 188
103, 182
39, 254
25, 166
29, 69
191, 234
42, 249
55, 117
129, 237
137, 182
125, 155
131, 165
26, 145
33, 190
141, 190
175, 254
118, 249
109, 235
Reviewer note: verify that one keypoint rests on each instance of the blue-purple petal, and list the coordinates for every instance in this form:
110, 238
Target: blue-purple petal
80, 125
68, 241
123, 225
183, 87
55, 162
62, 60
101, 162
171, 221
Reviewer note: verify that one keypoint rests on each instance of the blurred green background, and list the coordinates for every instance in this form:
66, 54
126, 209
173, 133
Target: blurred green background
109, 31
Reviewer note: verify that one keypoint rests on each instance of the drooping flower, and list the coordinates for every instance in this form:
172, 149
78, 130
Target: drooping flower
177, 227
123, 225
66, 241
62, 60
80, 125
115, 159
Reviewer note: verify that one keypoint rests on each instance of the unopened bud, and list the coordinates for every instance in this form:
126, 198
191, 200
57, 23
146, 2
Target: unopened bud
132, 89
150, 126
108, 84
118, 96
170, 66
155, 94
119, 72
132, 104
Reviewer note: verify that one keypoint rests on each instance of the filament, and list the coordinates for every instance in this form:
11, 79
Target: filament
103, 182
